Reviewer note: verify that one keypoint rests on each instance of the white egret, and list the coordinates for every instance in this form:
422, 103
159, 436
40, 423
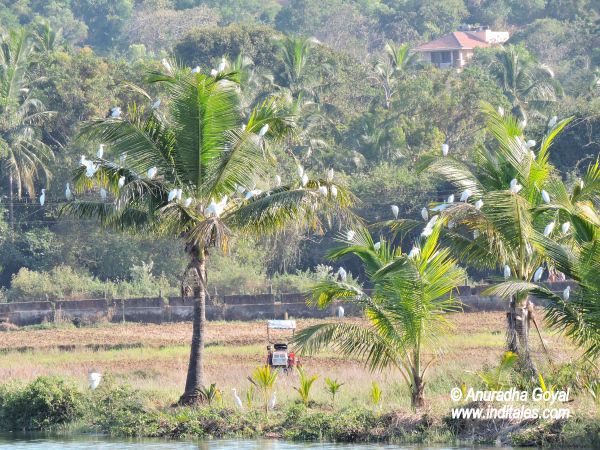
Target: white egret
237, 400
100, 152
214, 72
533, 155
530, 143
475, 234
425, 213
179, 194
567, 293
167, 65
465, 195
172, 195
377, 245
330, 174
395, 211
43, 197
156, 104
68, 193
506, 272
121, 182
253, 193
263, 130
152, 172
342, 274
83, 161
187, 203
479, 204
115, 112
350, 234
273, 401
103, 193
537, 276
545, 196
581, 184
304, 180
300, 171
339, 311
429, 227
277, 180
94, 379
445, 149
90, 169
196, 69
450, 199
334, 191
552, 121
501, 111
515, 187
565, 227
323, 190
549, 229
414, 252
222, 65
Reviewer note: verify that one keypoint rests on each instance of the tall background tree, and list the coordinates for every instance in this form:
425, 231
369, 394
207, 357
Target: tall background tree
23, 154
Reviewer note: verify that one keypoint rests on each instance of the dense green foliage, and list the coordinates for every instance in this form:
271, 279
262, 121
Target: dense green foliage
371, 123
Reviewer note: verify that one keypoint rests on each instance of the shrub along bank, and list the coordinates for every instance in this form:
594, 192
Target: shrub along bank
54, 404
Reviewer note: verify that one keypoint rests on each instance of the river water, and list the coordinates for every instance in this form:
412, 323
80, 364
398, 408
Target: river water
99, 443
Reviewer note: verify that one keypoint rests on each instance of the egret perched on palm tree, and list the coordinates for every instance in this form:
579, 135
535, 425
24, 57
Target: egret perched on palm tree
514, 215
405, 312
198, 146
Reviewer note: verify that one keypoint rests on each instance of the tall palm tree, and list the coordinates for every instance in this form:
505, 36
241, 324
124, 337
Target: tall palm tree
529, 86
577, 255
387, 71
23, 155
192, 172
502, 222
295, 55
405, 311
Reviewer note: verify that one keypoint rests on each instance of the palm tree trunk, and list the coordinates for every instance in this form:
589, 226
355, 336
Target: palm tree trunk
195, 374
11, 213
417, 399
518, 326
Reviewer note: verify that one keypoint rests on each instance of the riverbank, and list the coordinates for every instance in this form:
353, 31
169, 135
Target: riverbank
58, 406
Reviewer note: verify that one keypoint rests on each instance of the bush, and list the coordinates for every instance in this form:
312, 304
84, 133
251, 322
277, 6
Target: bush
40, 405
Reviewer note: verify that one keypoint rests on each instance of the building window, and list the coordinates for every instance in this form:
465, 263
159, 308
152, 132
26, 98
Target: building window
441, 57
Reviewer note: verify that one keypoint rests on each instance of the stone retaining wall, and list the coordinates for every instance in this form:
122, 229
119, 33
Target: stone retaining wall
234, 307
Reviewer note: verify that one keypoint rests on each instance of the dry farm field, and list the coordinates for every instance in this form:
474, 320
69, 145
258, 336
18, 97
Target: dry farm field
154, 358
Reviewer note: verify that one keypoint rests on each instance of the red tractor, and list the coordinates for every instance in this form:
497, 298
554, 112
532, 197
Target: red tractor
279, 356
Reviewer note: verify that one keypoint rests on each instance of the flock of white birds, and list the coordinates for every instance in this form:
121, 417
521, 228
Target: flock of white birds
514, 187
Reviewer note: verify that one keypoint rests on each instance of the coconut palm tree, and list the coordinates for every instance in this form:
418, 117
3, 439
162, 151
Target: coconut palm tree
506, 214
528, 85
405, 311
576, 253
295, 55
195, 171
23, 154
400, 56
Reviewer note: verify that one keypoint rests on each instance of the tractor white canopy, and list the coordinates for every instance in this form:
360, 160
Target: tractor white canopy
281, 324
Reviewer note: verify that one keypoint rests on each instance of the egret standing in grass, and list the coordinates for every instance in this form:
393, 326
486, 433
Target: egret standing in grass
237, 399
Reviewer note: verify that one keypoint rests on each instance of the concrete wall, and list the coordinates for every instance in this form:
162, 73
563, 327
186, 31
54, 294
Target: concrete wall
234, 307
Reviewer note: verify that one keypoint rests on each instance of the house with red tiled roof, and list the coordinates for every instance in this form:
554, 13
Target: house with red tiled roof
455, 49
